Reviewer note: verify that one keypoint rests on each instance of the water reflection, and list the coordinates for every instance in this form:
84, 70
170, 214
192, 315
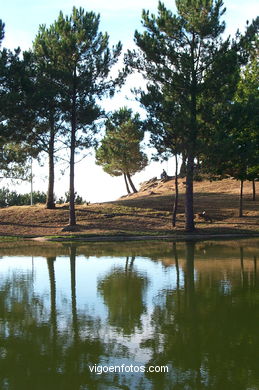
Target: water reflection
210, 333
123, 291
193, 307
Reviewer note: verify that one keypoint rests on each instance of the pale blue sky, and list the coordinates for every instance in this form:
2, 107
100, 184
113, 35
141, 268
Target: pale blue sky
120, 19
22, 18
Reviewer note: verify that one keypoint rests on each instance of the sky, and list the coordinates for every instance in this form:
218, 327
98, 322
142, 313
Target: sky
120, 19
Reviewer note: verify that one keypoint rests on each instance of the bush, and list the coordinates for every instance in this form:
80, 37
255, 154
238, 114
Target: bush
12, 198
78, 199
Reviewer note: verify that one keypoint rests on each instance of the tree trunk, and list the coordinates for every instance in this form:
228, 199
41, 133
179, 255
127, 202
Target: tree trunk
189, 214
73, 294
51, 269
242, 266
50, 204
176, 266
126, 265
182, 172
241, 199
131, 262
127, 186
72, 214
53, 311
131, 183
253, 186
176, 192
189, 275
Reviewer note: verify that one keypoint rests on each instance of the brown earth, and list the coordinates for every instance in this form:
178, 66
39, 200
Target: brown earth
146, 213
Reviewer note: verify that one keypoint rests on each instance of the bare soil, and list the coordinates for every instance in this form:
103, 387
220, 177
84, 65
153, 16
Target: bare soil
146, 213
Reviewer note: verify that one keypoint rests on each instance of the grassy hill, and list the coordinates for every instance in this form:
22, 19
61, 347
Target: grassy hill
146, 213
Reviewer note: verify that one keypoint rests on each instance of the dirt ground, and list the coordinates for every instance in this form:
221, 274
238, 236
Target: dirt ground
145, 213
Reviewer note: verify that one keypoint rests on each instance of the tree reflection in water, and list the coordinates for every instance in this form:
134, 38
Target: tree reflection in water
203, 324
205, 327
123, 291
35, 352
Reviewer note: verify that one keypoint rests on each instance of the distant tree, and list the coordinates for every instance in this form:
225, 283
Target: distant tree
120, 152
83, 60
184, 56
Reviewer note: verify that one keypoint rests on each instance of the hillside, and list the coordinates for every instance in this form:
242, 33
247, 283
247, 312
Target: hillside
146, 213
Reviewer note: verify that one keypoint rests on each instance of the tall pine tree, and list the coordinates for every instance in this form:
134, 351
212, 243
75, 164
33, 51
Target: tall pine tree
184, 56
82, 59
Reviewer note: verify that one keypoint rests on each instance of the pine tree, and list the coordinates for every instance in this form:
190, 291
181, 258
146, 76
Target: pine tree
247, 99
234, 146
184, 56
15, 119
120, 152
44, 101
83, 60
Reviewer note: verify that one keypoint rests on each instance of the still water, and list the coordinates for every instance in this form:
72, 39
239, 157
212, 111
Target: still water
103, 316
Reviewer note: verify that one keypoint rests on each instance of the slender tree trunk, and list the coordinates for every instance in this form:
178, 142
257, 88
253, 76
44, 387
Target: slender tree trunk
73, 290
241, 199
176, 266
189, 274
131, 183
72, 214
253, 186
131, 262
191, 311
53, 311
176, 192
50, 194
126, 265
126, 182
52, 281
242, 266
74, 363
50, 262
182, 172
189, 214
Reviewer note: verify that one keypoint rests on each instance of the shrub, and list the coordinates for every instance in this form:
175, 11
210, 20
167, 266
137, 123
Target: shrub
12, 198
78, 199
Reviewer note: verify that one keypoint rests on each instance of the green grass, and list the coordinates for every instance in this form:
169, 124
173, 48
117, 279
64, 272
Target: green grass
108, 234
10, 238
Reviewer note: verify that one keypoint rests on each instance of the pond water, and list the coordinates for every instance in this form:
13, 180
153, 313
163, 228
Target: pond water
108, 315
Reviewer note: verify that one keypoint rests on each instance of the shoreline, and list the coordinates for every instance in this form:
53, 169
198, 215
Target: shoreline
121, 238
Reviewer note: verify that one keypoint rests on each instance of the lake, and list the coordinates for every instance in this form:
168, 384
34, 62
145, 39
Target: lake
131, 315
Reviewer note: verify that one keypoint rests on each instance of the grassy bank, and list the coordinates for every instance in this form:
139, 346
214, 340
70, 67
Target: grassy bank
147, 213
